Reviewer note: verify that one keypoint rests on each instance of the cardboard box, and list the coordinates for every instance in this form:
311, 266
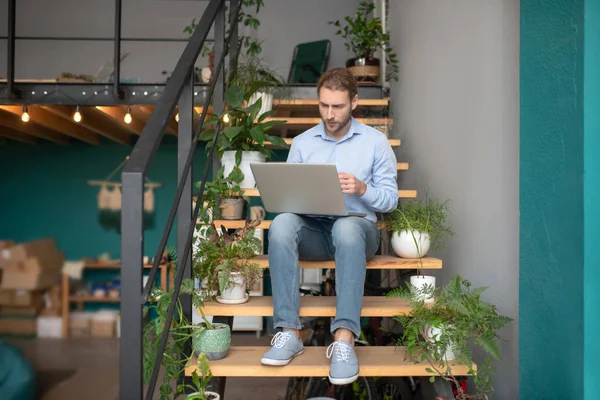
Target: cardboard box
80, 324
32, 273
25, 250
104, 324
17, 322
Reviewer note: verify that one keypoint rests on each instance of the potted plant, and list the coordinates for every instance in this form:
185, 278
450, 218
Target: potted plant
223, 196
364, 35
200, 383
440, 333
245, 139
418, 227
225, 261
181, 331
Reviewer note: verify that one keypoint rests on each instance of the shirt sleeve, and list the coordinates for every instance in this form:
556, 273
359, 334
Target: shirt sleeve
294, 153
382, 191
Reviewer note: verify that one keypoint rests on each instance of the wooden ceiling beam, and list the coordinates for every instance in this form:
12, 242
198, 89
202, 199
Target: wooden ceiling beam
31, 128
17, 136
145, 111
49, 120
92, 121
117, 113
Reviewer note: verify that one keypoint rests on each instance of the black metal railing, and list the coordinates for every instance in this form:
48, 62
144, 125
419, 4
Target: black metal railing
178, 92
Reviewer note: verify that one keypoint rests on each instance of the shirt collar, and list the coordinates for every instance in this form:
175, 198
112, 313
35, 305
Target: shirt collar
354, 129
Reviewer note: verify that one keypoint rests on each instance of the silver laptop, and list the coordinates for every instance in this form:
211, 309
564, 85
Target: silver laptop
310, 189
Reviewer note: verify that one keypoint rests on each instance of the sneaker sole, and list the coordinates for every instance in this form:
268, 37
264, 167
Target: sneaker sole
343, 381
279, 363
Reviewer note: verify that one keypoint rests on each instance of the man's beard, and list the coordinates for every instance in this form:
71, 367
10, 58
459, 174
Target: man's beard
340, 126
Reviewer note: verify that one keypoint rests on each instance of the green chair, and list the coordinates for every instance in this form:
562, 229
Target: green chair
309, 61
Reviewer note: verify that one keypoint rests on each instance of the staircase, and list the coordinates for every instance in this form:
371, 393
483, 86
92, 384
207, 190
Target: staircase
244, 361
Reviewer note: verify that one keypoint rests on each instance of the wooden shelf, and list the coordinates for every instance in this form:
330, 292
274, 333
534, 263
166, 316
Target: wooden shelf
310, 306
244, 361
377, 262
94, 264
94, 299
393, 142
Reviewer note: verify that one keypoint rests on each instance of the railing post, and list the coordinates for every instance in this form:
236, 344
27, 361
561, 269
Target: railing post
184, 210
132, 247
10, 49
117, 52
233, 29
219, 95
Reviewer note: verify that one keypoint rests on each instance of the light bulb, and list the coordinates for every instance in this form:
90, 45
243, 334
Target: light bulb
226, 118
177, 117
127, 117
77, 115
25, 115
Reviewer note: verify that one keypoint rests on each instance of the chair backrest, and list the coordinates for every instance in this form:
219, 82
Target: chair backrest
309, 61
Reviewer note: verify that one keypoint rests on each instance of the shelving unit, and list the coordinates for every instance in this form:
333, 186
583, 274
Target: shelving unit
166, 281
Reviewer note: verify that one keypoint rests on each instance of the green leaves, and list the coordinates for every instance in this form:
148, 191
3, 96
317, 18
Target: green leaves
232, 131
234, 96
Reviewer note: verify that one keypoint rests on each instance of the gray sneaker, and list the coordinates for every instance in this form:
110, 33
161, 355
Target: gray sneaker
344, 364
286, 346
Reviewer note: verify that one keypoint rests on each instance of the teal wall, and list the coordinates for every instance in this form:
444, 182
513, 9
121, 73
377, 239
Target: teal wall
591, 152
559, 217
44, 192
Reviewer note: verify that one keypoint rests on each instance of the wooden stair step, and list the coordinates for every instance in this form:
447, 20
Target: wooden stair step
264, 224
377, 262
298, 103
393, 142
310, 306
301, 122
403, 194
244, 361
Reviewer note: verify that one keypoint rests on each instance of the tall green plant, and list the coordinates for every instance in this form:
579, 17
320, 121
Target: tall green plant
463, 319
246, 130
364, 35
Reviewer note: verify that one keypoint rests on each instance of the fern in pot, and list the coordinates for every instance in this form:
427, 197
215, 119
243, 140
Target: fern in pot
245, 138
417, 228
442, 334
225, 260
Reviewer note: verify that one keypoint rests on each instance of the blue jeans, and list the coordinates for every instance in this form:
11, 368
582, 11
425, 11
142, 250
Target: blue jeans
350, 241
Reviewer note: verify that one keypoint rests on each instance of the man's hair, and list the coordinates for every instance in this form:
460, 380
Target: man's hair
338, 79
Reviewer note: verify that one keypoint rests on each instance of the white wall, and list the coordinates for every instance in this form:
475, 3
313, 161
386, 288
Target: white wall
284, 24
456, 109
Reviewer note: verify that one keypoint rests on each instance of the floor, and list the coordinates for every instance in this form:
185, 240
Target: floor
69, 368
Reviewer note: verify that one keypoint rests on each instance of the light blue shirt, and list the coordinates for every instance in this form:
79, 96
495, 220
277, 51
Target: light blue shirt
363, 152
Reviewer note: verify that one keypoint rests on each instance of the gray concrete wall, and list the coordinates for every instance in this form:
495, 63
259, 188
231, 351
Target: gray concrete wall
456, 109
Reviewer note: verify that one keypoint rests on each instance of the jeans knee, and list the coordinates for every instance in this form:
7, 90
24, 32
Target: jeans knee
284, 228
348, 232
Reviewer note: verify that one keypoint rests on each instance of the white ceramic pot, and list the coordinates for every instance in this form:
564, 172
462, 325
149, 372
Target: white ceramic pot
266, 104
236, 289
433, 334
228, 161
419, 282
403, 244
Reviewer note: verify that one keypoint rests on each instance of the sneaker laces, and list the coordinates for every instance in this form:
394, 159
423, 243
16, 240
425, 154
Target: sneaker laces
342, 351
280, 339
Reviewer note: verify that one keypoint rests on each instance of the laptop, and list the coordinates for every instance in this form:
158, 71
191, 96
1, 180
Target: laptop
309, 189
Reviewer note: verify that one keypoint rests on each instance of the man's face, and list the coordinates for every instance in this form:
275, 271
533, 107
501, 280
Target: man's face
336, 108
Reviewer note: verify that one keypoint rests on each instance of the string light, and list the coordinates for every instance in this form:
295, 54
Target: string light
226, 118
77, 115
25, 115
127, 117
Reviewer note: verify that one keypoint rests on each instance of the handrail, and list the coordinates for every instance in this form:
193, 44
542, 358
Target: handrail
132, 209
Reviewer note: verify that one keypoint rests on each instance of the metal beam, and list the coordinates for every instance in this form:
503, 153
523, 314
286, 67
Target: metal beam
132, 245
117, 48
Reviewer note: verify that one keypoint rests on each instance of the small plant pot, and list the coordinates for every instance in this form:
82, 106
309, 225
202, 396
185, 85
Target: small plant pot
403, 244
419, 282
366, 70
228, 161
433, 333
208, 395
266, 102
235, 292
232, 208
215, 343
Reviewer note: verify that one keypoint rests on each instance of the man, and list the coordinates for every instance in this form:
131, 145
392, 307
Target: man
367, 171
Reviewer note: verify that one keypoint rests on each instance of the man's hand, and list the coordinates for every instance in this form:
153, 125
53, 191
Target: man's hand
351, 185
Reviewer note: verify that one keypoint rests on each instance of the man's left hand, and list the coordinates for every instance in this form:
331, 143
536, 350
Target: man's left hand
351, 184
